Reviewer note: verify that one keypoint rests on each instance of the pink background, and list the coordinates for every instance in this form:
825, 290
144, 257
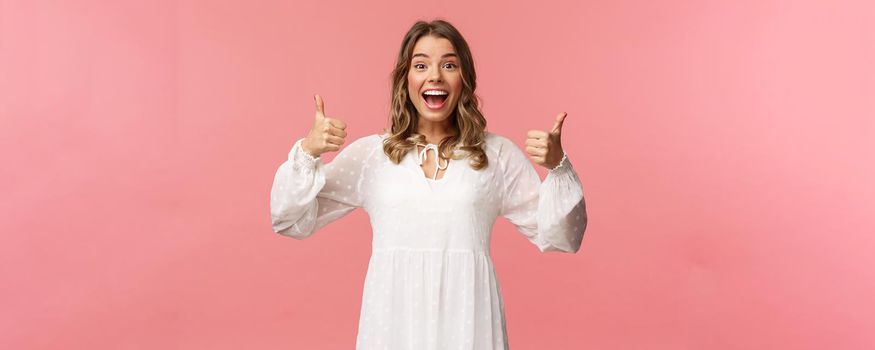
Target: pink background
726, 150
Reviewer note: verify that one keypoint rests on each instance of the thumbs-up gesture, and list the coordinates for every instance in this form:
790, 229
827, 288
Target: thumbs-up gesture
327, 134
545, 148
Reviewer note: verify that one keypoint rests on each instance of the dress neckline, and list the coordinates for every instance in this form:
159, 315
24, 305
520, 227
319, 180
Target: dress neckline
423, 154
416, 169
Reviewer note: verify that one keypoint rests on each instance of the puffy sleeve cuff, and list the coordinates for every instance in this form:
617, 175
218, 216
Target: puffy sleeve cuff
301, 160
561, 209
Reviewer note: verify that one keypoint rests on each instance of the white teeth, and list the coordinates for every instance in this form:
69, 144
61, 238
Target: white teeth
435, 92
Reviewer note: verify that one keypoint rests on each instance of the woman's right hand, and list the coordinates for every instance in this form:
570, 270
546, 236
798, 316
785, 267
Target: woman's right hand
327, 134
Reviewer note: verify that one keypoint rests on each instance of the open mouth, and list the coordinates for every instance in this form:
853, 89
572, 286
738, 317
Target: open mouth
435, 99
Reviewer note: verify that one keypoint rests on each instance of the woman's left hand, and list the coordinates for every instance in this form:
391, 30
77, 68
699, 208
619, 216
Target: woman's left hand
545, 148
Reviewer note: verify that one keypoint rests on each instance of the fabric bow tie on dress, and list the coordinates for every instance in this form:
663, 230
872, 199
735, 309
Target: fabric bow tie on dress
437, 155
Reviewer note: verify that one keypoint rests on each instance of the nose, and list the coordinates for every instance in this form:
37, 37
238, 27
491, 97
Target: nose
434, 75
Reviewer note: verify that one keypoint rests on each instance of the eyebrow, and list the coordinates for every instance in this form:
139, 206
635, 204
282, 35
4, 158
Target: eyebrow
451, 54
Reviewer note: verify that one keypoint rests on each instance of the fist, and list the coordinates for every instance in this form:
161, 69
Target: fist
327, 134
545, 148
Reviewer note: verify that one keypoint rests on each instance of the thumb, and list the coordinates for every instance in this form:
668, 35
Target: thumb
557, 126
320, 106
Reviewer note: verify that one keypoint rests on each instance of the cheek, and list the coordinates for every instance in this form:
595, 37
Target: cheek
412, 86
413, 81
457, 91
456, 84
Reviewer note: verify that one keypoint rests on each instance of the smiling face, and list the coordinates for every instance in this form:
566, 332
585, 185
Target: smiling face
434, 80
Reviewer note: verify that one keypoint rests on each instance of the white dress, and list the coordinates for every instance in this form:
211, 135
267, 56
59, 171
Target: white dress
430, 282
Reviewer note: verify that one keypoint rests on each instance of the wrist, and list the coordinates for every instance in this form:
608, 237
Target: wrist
307, 150
560, 164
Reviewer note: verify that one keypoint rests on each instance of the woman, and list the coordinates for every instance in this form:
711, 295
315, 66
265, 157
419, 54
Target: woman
430, 282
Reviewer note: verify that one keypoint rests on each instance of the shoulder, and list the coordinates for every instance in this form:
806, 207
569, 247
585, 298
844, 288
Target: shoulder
361, 148
499, 145
367, 141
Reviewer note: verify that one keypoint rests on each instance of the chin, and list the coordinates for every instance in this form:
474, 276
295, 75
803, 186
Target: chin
430, 116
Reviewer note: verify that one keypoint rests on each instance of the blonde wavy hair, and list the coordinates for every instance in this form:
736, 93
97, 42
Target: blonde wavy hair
467, 118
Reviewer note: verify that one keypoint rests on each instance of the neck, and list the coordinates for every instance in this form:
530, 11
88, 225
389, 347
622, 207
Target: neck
434, 132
